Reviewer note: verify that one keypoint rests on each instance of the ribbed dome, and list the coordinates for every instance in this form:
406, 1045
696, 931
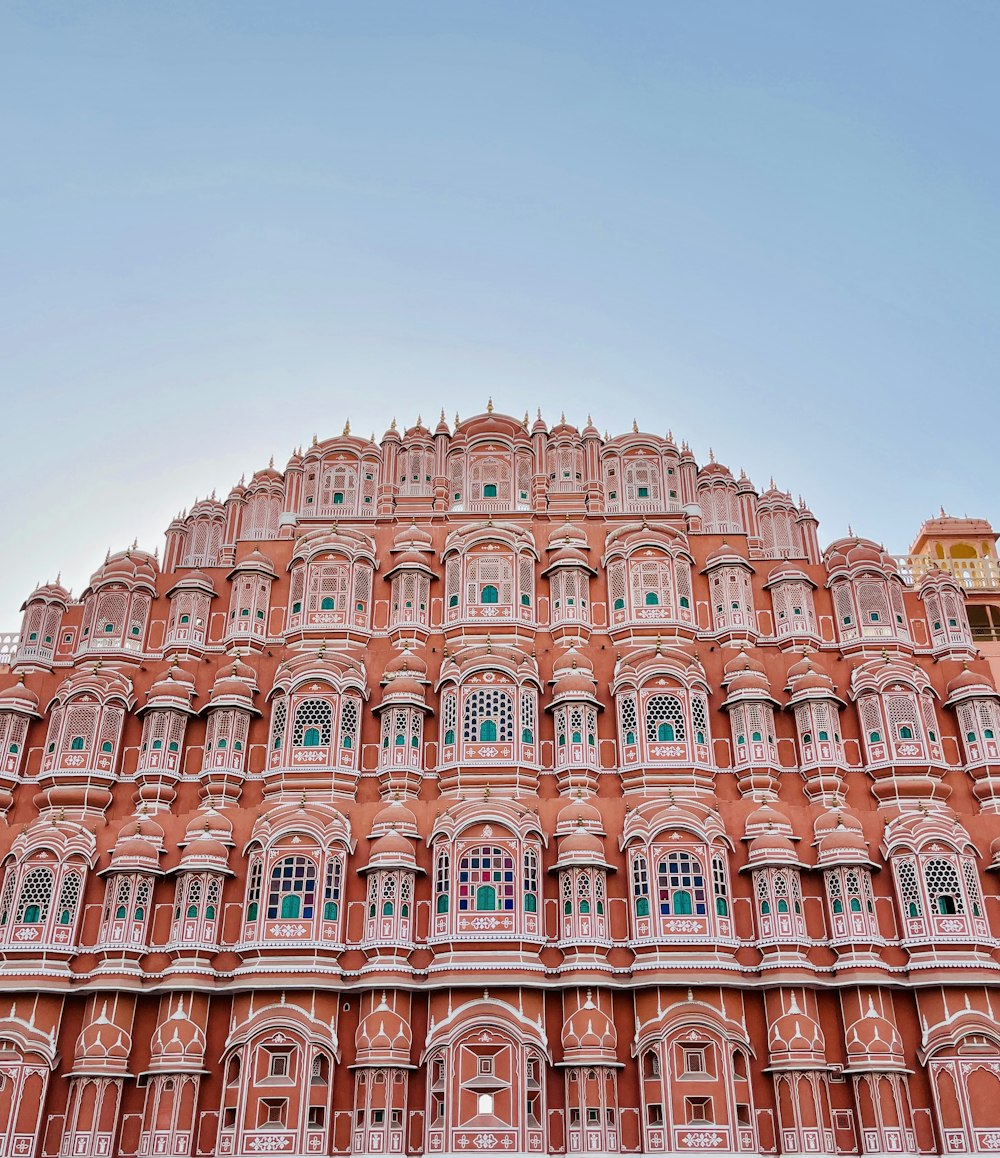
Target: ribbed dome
135, 852
178, 1045
383, 1038
394, 816
131, 567
589, 1036
796, 1032
18, 698
391, 849
873, 1039
579, 814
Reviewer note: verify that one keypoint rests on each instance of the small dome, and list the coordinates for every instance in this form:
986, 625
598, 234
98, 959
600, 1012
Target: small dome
766, 819
408, 662
135, 851
412, 538
383, 1038
589, 1036
255, 561
395, 816
392, 849
566, 535
749, 681
968, 682
852, 554
178, 1044
19, 698
579, 815
102, 1047
206, 850
786, 571
741, 662
174, 687
873, 1041
133, 567
796, 1033
772, 848
48, 593
725, 553
581, 846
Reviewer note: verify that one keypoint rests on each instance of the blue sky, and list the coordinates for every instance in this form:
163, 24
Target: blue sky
772, 227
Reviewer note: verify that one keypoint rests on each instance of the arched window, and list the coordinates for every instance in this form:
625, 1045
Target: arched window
640, 886
944, 887
292, 889
313, 724
488, 716
486, 880
664, 719
36, 896
489, 594
441, 883
681, 886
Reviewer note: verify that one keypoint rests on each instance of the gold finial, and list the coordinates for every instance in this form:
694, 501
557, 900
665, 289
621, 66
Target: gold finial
315, 440
562, 418
486, 792
635, 426
489, 406
525, 421
457, 419
270, 462
590, 421
442, 415
347, 427
711, 455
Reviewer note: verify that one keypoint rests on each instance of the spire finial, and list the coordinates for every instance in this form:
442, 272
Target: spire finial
635, 426
347, 427
392, 425
711, 455
270, 462
489, 406
315, 441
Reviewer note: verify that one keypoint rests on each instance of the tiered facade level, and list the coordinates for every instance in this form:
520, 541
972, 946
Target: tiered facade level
501, 789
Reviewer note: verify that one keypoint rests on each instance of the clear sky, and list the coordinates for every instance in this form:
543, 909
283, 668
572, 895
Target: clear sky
773, 227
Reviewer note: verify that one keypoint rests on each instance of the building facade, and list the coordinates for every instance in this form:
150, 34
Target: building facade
503, 789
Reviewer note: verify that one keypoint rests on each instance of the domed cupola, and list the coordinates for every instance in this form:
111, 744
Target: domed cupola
40, 626
589, 1036
817, 707
793, 606
402, 711
574, 706
751, 705
867, 592
569, 571
103, 1048
178, 1044
116, 605
874, 1042
164, 723
384, 1038
794, 1038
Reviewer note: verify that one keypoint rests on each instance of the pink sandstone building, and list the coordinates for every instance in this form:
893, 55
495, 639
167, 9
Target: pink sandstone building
504, 789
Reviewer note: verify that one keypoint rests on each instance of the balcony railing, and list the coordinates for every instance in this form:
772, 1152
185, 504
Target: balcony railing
973, 574
8, 647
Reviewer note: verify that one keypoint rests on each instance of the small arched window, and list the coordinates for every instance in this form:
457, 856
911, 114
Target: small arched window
489, 594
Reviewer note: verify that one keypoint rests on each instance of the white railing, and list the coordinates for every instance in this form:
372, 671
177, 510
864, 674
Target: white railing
974, 574
8, 647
